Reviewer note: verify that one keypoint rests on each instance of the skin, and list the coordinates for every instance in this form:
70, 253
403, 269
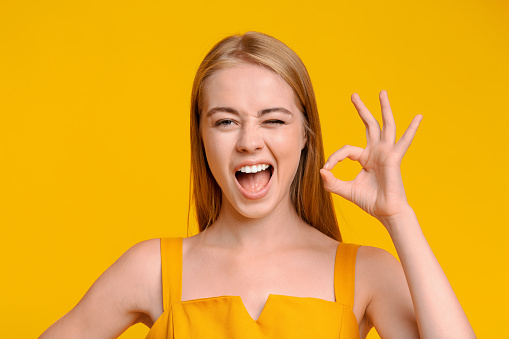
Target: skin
260, 246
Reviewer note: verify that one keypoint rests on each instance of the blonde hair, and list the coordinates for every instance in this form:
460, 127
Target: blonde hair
312, 202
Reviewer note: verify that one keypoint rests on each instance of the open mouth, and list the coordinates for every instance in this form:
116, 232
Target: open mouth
254, 178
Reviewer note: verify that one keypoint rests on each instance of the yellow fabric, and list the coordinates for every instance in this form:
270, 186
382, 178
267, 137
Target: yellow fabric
282, 317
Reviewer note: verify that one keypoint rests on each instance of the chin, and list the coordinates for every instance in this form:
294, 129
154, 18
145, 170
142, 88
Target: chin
254, 209
254, 212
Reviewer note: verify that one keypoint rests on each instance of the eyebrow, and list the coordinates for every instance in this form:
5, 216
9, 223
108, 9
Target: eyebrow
260, 113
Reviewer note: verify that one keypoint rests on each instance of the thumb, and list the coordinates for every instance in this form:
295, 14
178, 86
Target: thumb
334, 185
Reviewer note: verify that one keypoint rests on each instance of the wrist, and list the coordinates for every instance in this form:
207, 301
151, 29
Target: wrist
403, 218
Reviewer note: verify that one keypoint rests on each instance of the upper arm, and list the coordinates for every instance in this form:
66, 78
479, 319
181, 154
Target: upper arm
126, 293
389, 309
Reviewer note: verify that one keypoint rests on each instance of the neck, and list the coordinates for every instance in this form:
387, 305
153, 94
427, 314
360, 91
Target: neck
281, 226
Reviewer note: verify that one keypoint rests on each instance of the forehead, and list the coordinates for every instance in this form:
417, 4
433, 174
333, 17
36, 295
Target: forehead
248, 87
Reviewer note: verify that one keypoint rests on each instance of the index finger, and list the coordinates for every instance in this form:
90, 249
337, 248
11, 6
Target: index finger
372, 126
389, 126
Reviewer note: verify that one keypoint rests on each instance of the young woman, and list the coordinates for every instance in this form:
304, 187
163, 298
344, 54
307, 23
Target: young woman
269, 261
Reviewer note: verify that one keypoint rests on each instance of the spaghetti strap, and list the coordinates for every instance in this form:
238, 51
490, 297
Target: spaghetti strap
171, 269
344, 273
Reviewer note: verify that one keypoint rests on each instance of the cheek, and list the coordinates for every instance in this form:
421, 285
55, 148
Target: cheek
212, 155
216, 154
287, 149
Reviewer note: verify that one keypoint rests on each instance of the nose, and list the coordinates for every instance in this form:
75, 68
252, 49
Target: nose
250, 140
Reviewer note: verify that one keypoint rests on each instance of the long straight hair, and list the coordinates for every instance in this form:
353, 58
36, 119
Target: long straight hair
311, 201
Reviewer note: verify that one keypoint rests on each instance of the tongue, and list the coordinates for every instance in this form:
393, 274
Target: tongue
253, 182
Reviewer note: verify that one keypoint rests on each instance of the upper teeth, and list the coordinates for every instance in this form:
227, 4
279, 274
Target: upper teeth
254, 168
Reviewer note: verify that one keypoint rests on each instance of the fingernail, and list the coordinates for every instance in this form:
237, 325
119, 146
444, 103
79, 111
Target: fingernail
326, 165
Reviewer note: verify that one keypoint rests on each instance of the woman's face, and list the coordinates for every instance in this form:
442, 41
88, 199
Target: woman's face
253, 134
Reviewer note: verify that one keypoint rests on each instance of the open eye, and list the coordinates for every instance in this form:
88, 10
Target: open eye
224, 122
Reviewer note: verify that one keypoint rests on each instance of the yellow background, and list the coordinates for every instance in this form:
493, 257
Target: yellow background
94, 144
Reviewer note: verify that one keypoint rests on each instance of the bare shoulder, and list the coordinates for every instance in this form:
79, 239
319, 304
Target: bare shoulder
381, 294
375, 261
375, 270
139, 271
141, 264
145, 256
128, 292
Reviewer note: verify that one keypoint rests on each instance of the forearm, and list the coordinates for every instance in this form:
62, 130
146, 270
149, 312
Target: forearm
438, 311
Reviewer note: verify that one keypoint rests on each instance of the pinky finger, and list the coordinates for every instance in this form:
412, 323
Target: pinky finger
404, 143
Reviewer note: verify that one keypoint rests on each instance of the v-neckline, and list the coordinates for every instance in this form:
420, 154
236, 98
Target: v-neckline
266, 306
236, 298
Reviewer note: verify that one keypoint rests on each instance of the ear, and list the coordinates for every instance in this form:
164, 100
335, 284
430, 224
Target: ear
304, 139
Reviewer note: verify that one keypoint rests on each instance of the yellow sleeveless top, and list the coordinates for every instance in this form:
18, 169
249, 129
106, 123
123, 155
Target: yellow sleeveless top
282, 317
